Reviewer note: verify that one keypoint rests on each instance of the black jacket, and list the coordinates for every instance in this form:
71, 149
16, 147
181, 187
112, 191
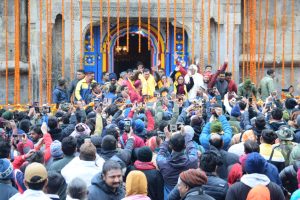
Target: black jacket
215, 187
100, 190
155, 182
56, 134
197, 194
288, 177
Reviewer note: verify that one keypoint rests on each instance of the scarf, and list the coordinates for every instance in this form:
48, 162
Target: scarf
143, 165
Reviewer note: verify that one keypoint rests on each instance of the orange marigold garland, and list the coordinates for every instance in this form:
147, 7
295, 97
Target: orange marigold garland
81, 42
41, 52
6, 49
283, 24
101, 24
259, 31
63, 38
244, 41
233, 40
252, 39
219, 32
168, 25
265, 37
275, 27
202, 37
17, 52
72, 43
50, 52
158, 24
28, 52
293, 40
208, 33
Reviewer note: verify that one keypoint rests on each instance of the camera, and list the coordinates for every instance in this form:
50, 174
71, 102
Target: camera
96, 103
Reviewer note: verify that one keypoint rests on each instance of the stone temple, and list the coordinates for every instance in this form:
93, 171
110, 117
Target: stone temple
213, 29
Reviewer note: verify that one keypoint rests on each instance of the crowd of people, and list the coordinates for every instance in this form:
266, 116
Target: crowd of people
144, 135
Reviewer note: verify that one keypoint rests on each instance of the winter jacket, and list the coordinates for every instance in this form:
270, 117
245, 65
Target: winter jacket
266, 87
197, 193
228, 159
100, 190
205, 135
67, 129
232, 87
198, 83
59, 95
56, 134
222, 87
138, 142
154, 178
6, 190
271, 172
242, 91
215, 187
148, 85
240, 190
275, 125
83, 90
171, 165
123, 154
72, 88
60, 164
213, 79
288, 177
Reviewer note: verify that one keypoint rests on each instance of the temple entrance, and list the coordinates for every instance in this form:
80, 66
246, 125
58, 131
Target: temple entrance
124, 60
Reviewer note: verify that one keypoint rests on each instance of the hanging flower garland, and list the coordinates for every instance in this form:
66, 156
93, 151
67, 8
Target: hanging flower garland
244, 40
28, 52
47, 50
17, 52
233, 40
252, 40
72, 42
293, 40
193, 32
168, 25
247, 39
149, 39
127, 24
81, 42
183, 28
158, 25
6, 49
259, 31
275, 27
219, 33
202, 37
50, 53
265, 37
41, 53
91, 25
139, 16
101, 24
227, 28
63, 38
208, 33
118, 23
283, 24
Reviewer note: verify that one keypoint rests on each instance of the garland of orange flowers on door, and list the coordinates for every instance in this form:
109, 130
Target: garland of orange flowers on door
233, 40
91, 24
168, 26
118, 23
193, 32
140, 24
227, 30
47, 50
17, 53
72, 42
28, 52
202, 37
101, 24
6, 50
50, 53
265, 37
208, 33
244, 41
175, 25
252, 40
275, 27
158, 24
41, 52
219, 33
149, 10
259, 31
247, 39
81, 44
63, 38
293, 40
283, 24
127, 24
183, 29
108, 25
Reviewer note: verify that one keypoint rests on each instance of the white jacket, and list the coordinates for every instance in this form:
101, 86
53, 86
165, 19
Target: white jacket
198, 83
85, 170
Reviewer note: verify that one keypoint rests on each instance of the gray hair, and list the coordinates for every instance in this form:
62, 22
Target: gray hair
77, 189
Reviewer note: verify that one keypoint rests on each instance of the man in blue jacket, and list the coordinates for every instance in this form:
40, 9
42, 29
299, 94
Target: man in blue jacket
183, 157
60, 92
218, 125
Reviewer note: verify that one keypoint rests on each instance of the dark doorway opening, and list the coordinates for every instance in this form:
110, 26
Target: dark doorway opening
124, 60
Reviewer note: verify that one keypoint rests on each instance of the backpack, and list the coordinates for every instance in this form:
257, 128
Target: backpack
259, 192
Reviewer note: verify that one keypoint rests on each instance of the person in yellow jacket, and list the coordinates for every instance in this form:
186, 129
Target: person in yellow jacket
83, 88
163, 82
148, 83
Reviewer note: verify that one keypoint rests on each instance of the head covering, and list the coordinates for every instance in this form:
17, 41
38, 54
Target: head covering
136, 183
139, 126
85, 130
112, 76
259, 192
193, 177
235, 112
247, 83
144, 154
8, 115
255, 163
216, 127
167, 115
35, 170
194, 67
6, 169
188, 133
56, 150
284, 133
235, 174
248, 135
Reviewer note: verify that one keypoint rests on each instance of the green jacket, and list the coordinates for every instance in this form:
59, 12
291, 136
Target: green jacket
242, 91
266, 87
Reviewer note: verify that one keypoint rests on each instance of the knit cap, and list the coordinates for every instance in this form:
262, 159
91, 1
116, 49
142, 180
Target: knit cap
139, 126
55, 149
235, 112
144, 154
7, 115
112, 76
216, 127
193, 177
255, 163
6, 169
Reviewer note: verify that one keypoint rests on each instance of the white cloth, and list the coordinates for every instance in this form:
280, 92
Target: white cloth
237, 149
30, 195
198, 83
85, 170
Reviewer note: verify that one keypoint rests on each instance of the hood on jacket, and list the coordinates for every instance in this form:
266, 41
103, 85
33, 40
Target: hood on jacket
275, 125
100, 183
178, 160
253, 180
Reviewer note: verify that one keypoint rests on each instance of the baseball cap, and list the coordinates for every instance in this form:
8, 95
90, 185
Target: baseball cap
35, 170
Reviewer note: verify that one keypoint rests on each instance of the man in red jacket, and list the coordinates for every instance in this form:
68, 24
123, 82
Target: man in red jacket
232, 87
